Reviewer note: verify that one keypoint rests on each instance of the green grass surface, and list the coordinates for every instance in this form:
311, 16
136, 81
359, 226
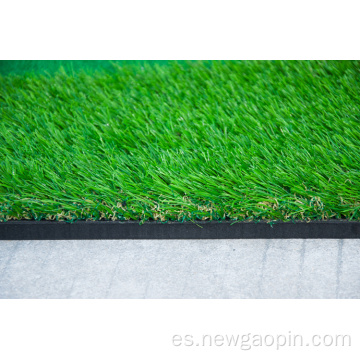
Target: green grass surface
180, 141
50, 67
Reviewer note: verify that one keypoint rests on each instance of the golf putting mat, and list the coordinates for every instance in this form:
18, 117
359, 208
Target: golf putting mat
105, 145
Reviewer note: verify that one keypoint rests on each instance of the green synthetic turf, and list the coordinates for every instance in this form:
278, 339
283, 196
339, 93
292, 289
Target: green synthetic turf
50, 67
180, 141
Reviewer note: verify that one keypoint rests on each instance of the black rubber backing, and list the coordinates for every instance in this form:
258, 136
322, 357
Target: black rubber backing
54, 230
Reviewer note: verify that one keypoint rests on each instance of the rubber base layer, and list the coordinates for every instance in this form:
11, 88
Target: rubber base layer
58, 230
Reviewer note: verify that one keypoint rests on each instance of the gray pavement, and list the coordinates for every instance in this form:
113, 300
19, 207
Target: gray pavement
294, 268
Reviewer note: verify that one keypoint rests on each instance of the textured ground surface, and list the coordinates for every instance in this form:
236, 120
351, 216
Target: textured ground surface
180, 269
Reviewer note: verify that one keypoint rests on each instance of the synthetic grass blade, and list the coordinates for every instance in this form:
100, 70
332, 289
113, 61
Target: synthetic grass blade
181, 141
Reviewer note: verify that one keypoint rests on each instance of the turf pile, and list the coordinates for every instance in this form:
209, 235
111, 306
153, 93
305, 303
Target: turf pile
182, 141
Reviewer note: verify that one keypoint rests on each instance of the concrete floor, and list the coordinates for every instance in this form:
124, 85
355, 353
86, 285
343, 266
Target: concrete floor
293, 268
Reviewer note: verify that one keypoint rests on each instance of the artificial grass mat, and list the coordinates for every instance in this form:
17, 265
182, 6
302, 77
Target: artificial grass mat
200, 140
